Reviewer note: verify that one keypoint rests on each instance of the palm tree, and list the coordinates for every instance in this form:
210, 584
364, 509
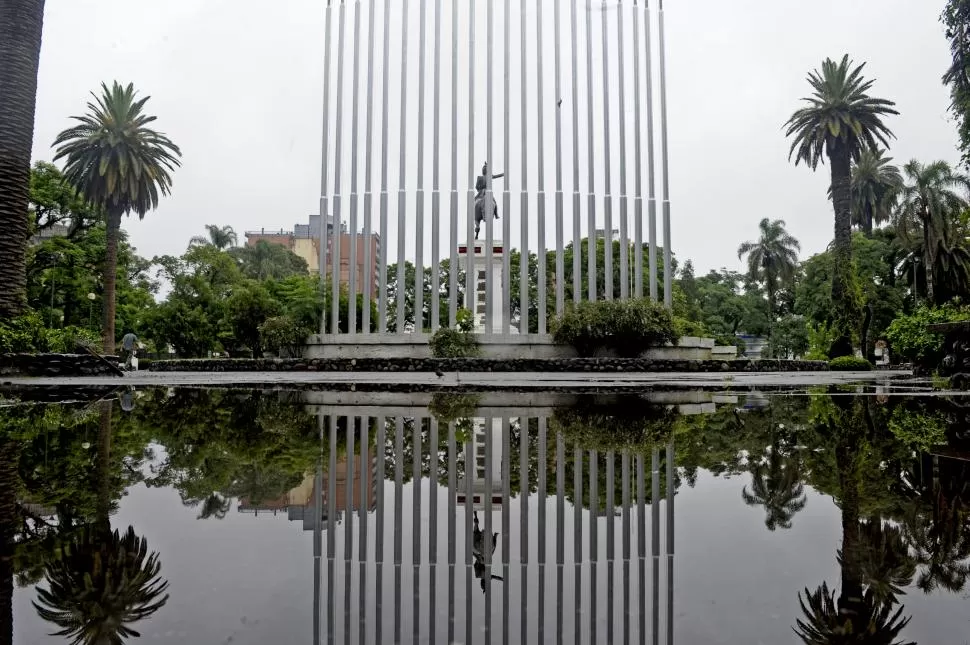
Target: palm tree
840, 121
875, 186
20, 34
931, 198
118, 164
776, 485
221, 237
773, 259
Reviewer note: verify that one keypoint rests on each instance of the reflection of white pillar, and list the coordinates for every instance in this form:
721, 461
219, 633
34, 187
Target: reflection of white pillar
488, 286
485, 435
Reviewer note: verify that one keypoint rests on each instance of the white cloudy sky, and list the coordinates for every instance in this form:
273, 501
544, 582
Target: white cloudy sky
238, 84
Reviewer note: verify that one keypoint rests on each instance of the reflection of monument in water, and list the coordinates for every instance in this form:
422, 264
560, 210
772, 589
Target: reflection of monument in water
457, 549
484, 478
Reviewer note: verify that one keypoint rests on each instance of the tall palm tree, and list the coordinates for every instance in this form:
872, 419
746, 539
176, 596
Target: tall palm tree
118, 164
772, 259
875, 187
932, 196
839, 121
776, 485
20, 34
221, 237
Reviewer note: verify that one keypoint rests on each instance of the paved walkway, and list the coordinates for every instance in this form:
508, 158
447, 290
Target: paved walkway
509, 380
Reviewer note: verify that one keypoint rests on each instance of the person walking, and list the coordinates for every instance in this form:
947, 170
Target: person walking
129, 344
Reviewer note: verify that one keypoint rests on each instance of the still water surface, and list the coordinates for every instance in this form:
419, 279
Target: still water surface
255, 517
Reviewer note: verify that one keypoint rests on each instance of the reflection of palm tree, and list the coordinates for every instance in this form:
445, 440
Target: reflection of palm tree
863, 612
776, 486
9, 457
104, 580
883, 560
872, 623
942, 554
102, 584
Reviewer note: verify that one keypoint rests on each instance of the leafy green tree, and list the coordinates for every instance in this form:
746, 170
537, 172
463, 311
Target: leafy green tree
247, 308
221, 237
20, 35
840, 121
265, 261
956, 19
932, 197
772, 260
120, 165
874, 263
875, 187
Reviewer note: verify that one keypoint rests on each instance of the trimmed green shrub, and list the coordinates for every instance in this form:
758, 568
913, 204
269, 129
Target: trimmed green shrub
849, 364
909, 338
283, 336
456, 343
627, 327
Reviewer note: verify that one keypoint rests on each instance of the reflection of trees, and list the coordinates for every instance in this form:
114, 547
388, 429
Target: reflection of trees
221, 444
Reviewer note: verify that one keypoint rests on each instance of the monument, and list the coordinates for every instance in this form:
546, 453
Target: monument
487, 264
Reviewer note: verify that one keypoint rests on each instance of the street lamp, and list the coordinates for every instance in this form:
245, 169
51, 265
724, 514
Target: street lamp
91, 299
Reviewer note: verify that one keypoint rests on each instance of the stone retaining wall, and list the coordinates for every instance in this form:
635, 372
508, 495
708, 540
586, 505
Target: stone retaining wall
55, 365
482, 365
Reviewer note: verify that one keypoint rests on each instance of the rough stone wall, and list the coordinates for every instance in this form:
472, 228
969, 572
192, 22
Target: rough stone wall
55, 365
483, 365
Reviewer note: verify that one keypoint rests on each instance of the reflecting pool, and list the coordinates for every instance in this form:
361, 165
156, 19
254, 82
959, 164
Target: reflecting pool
233, 516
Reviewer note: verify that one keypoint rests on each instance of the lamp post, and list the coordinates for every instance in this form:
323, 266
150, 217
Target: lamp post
91, 299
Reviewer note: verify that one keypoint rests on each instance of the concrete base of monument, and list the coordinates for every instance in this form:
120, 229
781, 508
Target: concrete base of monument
498, 346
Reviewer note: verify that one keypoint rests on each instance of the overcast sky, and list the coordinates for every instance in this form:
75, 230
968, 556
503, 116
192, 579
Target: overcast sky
238, 85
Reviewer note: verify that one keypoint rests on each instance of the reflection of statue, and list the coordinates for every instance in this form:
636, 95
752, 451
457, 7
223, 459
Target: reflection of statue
481, 184
478, 552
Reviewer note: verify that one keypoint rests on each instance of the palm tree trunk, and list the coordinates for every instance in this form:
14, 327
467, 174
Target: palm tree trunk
20, 34
9, 457
929, 262
867, 221
843, 296
110, 273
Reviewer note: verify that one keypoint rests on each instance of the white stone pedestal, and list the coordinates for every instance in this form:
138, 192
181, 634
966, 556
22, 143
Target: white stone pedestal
482, 267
